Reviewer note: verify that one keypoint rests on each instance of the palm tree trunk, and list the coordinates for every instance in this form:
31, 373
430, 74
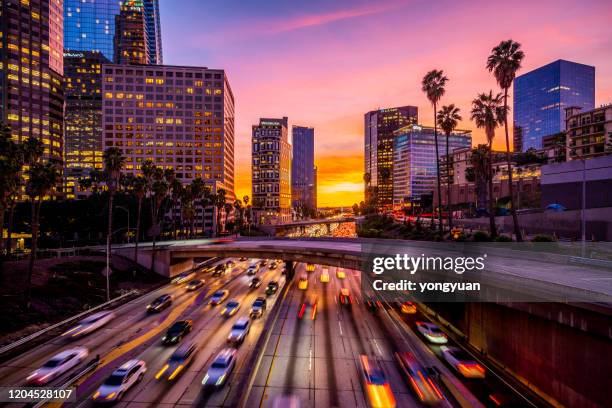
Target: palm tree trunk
448, 185
28, 292
492, 226
438, 169
2, 212
154, 229
9, 236
109, 239
515, 222
137, 230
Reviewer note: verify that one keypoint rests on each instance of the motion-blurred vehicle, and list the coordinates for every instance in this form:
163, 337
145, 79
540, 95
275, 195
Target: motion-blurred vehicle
242, 259
432, 332
221, 270
178, 361
177, 331
273, 265
253, 268
255, 283
263, 262
308, 308
159, 304
286, 401
310, 267
230, 264
220, 369
303, 282
373, 303
218, 297
340, 274
408, 308
195, 284
183, 277
418, 379
58, 365
345, 297
239, 330
90, 323
325, 275
230, 309
272, 288
462, 362
121, 380
375, 383
258, 308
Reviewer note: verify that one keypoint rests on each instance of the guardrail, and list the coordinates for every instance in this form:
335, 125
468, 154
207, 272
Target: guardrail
602, 263
92, 365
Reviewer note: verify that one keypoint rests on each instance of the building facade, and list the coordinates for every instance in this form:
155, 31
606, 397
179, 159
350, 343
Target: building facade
589, 133
154, 39
541, 96
303, 181
131, 40
271, 171
83, 119
414, 161
31, 74
379, 128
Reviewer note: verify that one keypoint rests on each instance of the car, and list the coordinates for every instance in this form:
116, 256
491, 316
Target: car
239, 330
310, 267
91, 323
418, 379
255, 283
220, 369
218, 297
340, 274
377, 388
57, 365
408, 308
230, 309
373, 303
253, 269
432, 332
120, 381
303, 282
258, 308
230, 264
177, 331
220, 270
195, 284
462, 362
286, 401
159, 304
263, 262
345, 297
242, 259
272, 288
273, 265
308, 308
325, 275
183, 277
182, 357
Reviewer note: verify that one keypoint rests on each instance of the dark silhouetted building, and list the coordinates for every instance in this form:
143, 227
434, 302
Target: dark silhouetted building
303, 182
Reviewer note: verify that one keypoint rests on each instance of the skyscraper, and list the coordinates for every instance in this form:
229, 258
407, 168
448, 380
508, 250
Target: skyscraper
379, 127
131, 39
541, 96
31, 55
271, 168
154, 42
303, 183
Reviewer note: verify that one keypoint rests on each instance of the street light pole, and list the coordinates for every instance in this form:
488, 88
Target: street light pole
582, 212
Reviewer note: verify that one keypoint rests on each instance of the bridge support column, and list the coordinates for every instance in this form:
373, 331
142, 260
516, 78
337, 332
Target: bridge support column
290, 269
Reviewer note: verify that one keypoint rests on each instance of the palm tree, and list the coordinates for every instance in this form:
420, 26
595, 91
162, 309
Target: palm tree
139, 189
159, 190
248, 212
239, 210
187, 211
113, 164
433, 85
43, 180
478, 173
228, 207
176, 188
488, 113
219, 203
504, 61
448, 117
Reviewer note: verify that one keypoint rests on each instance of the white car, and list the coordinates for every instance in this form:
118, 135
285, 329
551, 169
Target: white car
221, 367
91, 323
121, 380
58, 365
462, 362
239, 331
432, 332
183, 277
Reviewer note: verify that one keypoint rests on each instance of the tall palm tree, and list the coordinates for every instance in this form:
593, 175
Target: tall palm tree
248, 213
176, 188
159, 191
43, 180
219, 203
239, 210
139, 189
504, 61
113, 164
488, 113
187, 211
433, 85
478, 173
228, 207
448, 117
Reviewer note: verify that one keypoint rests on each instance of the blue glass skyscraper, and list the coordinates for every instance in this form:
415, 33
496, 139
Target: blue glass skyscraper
541, 96
303, 182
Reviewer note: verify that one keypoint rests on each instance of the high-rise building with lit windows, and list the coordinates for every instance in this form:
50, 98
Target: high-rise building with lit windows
303, 183
131, 39
31, 74
179, 117
153, 22
82, 118
541, 96
271, 171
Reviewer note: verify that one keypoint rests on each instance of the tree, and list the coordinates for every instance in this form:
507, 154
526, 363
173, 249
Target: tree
433, 85
478, 173
176, 188
448, 117
10, 165
248, 212
228, 207
206, 200
159, 191
504, 61
488, 113
139, 189
113, 164
219, 201
239, 211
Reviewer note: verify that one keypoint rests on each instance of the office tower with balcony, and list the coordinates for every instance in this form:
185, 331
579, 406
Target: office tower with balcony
541, 96
271, 170
303, 181
380, 126
131, 40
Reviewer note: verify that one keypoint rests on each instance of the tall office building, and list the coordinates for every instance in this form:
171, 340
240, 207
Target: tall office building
131, 39
179, 117
31, 74
414, 161
379, 127
589, 133
90, 26
83, 118
303, 182
271, 168
541, 96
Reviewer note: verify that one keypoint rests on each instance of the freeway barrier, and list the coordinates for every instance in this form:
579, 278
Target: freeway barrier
88, 368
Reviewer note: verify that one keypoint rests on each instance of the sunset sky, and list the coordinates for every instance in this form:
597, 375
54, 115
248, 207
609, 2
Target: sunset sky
325, 63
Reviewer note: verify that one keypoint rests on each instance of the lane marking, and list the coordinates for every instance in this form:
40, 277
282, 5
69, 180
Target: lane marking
340, 326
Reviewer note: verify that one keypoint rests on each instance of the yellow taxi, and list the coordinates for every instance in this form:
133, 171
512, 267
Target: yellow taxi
303, 282
325, 275
408, 308
310, 267
340, 274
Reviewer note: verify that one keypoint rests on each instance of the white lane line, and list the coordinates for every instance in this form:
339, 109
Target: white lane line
340, 326
310, 360
377, 347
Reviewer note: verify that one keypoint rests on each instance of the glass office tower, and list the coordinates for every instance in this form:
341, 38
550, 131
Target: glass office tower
303, 187
541, 96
